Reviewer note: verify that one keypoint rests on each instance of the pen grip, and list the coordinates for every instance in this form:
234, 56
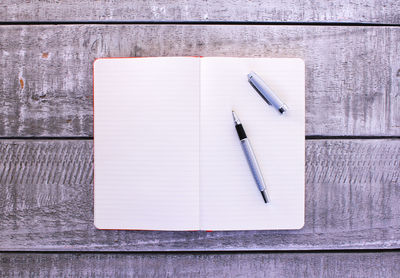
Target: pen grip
252, 161
240, 132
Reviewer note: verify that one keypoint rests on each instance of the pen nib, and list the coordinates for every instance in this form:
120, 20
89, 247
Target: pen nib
235, 118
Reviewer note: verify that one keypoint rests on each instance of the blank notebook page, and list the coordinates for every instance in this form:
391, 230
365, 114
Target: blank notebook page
229, 197
146, 143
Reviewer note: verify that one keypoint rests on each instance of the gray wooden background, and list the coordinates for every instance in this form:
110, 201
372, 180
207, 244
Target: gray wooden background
352, 55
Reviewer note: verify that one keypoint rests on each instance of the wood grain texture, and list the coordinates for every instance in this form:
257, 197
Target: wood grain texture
201, 265
360, 11
46, 202
352, 82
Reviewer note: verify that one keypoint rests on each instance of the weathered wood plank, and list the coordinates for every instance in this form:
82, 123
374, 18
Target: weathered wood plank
201, 265
361, 11
352, 201
392, 97
352, 87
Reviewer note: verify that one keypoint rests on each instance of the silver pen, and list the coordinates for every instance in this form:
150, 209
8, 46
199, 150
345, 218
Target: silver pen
266, 93
251, 158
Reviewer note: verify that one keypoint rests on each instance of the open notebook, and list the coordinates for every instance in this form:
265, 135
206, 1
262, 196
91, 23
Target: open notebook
166, 153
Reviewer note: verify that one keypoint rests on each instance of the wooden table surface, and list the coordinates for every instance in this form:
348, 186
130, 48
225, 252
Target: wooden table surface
352, 55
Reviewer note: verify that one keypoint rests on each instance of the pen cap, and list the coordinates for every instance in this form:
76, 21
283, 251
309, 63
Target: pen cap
266, 92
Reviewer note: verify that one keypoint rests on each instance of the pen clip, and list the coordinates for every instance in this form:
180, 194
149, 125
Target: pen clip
261, 95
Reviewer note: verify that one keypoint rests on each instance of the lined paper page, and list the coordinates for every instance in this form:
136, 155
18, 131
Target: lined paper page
146, 150
229, 198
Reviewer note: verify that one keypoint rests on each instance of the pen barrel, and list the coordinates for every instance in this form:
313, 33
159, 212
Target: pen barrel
252, 161
266, 92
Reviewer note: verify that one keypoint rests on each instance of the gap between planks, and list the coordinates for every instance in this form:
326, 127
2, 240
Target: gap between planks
205, 252
308, 137
261, 23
